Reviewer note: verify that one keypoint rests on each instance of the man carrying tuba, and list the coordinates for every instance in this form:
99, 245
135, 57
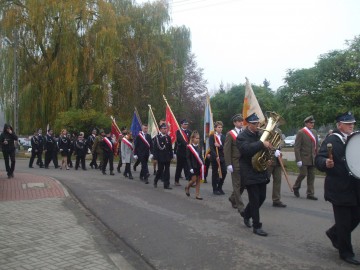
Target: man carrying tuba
249, 143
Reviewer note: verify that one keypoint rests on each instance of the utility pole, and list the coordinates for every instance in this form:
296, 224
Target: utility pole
16, 84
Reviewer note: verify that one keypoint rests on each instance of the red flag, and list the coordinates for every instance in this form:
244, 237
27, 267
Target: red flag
116, 131
171, 124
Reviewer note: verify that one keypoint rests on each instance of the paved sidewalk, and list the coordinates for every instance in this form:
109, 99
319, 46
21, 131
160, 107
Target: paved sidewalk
40, 230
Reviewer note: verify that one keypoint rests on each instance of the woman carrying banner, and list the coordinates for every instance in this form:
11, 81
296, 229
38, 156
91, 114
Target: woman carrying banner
195, 164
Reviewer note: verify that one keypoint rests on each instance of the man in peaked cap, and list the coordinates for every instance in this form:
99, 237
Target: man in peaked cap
232, 156
90, 143
248, 143
341, 188
305, 148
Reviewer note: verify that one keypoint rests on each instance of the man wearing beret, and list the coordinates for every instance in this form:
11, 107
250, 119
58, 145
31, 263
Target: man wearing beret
248, 143
232, 156
341, 188
306, 147
182, 140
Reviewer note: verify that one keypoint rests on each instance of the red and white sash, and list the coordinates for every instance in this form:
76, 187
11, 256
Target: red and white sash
108, 142
233, 134
142, 137
217, 139
311, 136
184, 136
129, 144
196, 155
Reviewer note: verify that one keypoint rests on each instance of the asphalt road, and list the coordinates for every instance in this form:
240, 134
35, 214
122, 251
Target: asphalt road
171, 231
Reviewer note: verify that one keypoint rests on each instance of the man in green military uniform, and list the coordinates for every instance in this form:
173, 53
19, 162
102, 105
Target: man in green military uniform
96, 148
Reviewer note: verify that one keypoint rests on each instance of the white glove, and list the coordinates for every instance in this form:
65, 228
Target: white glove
191, 170
230, 169
299, 164
151, 156
136, 157
277, 153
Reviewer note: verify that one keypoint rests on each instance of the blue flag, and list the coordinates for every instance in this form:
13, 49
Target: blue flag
135, 125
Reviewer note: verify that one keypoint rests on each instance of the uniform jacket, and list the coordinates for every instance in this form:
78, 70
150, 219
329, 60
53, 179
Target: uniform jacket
220, 149
90, 141
64, 144
180, 145
50, 143
96, 148
105, 147
36, 143
231, 152
126, 152
141, 148
162, 148
80, 147
249, 144
340, 187
192, 160
11, 138
304, 148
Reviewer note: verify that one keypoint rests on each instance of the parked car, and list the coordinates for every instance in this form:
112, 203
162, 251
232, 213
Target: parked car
25, 143
290, 141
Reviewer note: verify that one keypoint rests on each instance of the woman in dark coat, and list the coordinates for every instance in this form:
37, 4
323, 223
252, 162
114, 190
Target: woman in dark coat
64, 146
7, 141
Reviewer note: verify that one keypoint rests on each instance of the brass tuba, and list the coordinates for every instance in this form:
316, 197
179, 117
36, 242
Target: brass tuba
260, 159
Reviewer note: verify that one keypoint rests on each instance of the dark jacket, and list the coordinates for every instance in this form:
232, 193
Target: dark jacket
162, 148
10, 138
80, 147
64, 144
180, 145
249, 144
141, 148
36, 143
340, 187
50, 143
192, 160
107, 148
220, 148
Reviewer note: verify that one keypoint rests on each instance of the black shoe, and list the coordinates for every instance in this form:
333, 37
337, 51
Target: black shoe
142, 178
126, 175
47, 167
296, 192
187, 192
332, 239
103, 172
92, 166
247, 222
155, 183
221, 192
167, 188
112, 173
31, 167
233, 204
118, 170
216, 192
134, 167
260, 232
146, 182
131, 177
278, 204
311, 197
351, 260
154, 172
76, 169
198, 198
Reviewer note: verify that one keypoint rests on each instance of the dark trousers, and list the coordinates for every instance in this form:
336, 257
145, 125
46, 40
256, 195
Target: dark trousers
51, 155
257, 195
144, 166
127, 169
93, 160
207, 165
78, 160
69, 154
181, 163
216, 181
9, 156
137, 162
164, 172
346, 220
108, 157
37, 154
39, 158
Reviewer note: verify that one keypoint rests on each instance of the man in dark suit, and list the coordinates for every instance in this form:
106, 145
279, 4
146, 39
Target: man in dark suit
163, 153
182, 140
248, 143
142, 151
306, 147
341, 188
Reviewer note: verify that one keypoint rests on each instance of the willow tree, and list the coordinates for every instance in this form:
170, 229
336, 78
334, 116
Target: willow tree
63, 46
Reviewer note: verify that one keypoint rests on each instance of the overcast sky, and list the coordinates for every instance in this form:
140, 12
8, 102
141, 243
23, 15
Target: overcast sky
258, 39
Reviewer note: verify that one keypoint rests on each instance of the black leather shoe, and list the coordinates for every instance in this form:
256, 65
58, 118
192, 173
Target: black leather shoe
31, 167
187, 192
260, 232
221, 192
146, 182
351, 260
311, 197
278, 204
111, 173
216, 192
296, 192
332, 239
167, 188
199, 198
233, 204
247, 222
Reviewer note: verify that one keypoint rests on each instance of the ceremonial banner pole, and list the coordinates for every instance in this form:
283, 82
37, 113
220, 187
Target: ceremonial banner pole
174, 118
153, 116
285, 173
138, 116
113, 120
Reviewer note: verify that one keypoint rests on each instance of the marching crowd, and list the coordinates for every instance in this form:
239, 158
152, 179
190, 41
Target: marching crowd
231, 153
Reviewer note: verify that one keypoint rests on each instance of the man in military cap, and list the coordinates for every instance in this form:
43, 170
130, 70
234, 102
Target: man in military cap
232, 156
96, 148
248, 143
90, 143
341, 188
182, 140
305, 148
107, 146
